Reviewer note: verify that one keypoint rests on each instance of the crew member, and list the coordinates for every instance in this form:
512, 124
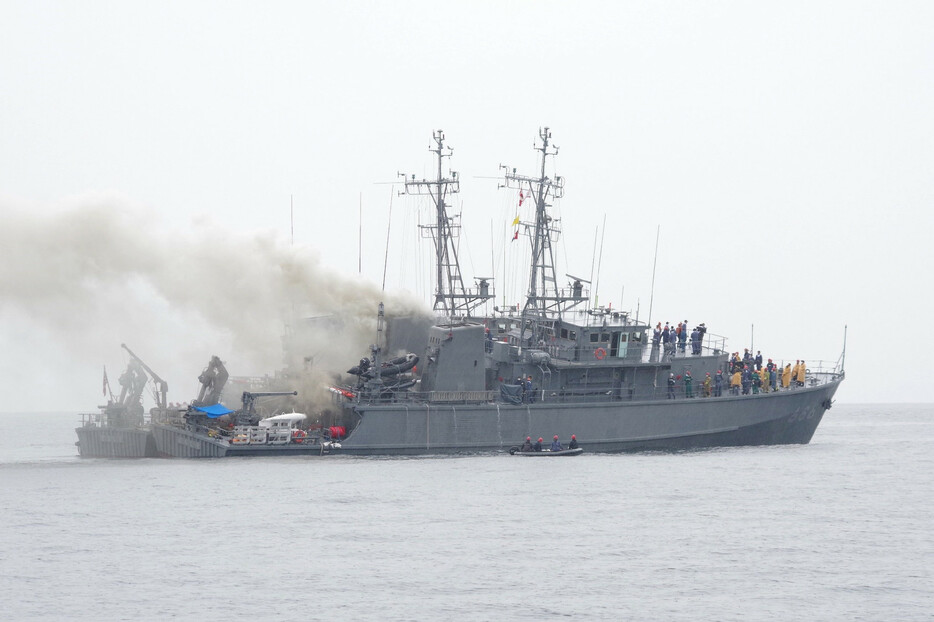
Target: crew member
527, 445
538, 445
573, 443
764, 374
556, 444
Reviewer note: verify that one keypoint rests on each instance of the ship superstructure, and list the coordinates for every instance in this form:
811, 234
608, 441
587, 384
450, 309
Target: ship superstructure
556, 368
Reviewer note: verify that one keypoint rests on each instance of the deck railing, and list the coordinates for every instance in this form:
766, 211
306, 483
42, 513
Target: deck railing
822, 373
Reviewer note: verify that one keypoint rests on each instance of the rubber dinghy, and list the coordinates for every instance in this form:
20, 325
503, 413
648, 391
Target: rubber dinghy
514, 450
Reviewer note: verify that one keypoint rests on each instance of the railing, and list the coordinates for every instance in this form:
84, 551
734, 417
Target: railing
814, 377
91, 419
643, 352
424, 397
711, 344
156, 415
104, 420
460, 396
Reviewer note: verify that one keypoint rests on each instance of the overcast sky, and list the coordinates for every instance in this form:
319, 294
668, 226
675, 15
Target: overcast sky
148, 153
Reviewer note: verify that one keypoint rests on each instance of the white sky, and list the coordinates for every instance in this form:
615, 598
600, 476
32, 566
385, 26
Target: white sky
785, 148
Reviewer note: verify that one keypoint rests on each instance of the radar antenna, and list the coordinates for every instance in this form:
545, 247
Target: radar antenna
544, 300
451, 296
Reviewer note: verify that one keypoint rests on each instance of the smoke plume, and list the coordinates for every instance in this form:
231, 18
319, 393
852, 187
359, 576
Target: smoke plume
102, 270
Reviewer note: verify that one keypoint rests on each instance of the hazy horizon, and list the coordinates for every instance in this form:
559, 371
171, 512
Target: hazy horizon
150, 156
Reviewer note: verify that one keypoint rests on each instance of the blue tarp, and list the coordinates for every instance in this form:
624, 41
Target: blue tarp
215, 411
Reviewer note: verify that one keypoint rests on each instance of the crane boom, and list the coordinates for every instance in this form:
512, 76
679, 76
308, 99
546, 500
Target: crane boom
163, 387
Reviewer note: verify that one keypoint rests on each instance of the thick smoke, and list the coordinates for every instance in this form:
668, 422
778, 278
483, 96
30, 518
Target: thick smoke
102, 270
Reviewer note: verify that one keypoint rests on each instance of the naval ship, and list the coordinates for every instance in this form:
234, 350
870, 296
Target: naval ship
484, 382
553, 368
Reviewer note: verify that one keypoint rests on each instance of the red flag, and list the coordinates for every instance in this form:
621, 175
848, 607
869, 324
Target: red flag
521, 198
516, 236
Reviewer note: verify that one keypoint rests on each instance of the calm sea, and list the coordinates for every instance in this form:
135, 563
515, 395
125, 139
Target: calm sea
836, 530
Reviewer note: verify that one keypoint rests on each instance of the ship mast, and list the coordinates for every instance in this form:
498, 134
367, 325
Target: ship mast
451, 296
544, 300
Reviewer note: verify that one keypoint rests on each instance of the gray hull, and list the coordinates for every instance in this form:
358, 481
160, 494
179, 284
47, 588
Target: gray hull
175, 442
786, 417
411, 428
178, 442
107, 442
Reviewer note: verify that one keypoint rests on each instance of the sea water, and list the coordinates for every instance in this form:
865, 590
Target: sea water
836, 530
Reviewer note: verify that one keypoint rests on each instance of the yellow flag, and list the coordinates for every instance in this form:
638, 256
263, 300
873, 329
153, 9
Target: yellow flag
515, 222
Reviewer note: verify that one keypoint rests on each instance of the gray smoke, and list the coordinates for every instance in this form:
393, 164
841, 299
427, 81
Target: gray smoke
102, 270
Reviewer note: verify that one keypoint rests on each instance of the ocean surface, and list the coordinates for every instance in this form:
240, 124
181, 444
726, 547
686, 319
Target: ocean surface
840, 529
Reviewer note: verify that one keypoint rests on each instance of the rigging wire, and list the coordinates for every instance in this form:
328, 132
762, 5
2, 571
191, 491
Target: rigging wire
392, 191
600, 261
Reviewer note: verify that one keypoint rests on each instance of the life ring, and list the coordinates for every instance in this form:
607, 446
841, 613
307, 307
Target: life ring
600, 353
298, 436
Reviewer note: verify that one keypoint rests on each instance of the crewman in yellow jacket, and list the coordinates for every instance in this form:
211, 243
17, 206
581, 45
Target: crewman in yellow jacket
786, 376
764, 374
802, 369
735, 381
